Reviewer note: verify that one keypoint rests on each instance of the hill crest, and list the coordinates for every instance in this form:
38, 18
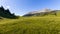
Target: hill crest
41, 12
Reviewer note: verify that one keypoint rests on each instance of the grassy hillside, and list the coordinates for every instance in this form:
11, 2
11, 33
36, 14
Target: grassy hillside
30, 25
49, 24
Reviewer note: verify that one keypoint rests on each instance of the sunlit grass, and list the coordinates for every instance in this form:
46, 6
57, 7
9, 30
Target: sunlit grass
30, 25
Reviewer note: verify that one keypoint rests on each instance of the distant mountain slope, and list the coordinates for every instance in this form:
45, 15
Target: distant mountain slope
42, 12
6, 13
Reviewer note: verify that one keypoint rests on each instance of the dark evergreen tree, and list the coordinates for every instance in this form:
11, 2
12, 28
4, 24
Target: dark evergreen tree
6, 13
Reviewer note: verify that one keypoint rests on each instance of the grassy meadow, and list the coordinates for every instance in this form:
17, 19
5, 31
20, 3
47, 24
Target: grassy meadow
31, 25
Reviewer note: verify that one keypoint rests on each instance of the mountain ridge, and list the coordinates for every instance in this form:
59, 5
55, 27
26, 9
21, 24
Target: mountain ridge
42, 12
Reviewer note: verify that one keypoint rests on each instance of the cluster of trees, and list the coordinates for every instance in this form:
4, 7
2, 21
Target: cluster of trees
6, 13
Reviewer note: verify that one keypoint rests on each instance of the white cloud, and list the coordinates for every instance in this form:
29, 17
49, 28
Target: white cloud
7, 7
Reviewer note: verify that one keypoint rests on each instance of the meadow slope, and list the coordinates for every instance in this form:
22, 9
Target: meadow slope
31, 25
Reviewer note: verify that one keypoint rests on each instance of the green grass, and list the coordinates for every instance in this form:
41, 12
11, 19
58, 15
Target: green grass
49, 24
30, 25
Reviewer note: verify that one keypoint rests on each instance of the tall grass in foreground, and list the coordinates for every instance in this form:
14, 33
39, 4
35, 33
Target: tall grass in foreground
30, 25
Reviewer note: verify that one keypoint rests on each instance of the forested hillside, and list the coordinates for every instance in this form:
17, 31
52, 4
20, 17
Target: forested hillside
5, 13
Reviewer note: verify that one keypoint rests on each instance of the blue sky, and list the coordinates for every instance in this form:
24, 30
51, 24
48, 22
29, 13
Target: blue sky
21, 7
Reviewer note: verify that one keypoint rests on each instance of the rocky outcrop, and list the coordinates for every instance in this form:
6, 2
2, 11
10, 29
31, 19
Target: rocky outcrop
41, 12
